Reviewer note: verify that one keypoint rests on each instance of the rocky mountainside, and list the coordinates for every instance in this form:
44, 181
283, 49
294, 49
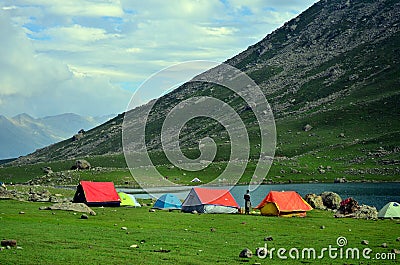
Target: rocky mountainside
335, 68
23, 134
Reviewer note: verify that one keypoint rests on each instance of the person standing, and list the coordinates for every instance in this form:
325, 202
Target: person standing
247, 202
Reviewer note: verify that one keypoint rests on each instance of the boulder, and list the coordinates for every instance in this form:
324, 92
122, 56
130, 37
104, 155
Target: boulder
77, 136
307, 128
366, 212
81, 164
348, 206
69, 206
246, 253
315, 201
331, 200
47, 170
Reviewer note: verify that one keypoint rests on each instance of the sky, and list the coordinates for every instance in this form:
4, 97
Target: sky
88, 57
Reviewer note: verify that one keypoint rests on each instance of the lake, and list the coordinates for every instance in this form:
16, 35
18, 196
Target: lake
373, 194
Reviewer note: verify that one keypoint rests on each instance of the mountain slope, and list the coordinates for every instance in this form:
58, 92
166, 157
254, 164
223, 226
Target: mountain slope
336, 67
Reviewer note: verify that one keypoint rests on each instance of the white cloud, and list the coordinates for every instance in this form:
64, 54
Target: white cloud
39, 85
63, 48
77, 33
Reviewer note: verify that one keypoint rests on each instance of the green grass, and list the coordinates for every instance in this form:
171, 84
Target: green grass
63, 238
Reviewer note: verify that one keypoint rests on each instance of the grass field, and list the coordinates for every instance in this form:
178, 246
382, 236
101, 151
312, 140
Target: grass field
59, 237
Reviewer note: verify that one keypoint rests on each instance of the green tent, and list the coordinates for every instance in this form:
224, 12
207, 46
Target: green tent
390, 210
128, 200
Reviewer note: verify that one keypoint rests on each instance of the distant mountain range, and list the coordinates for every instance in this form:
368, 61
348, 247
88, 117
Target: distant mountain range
24, 134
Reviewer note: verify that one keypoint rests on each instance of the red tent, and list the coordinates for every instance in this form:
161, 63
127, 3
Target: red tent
284, 203
210, 201
97, 194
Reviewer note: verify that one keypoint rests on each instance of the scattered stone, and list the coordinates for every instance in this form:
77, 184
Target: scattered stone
152, 210
10, 242
307, 128
268, 238
134, 246
315, 201
396, 251
398, 239
340, 180
322, 227
124, 228
21, 212
8, 247
84, 216
2, 248
162, 250
39, 196
331, 200
364, 242
246, 253
384, 245
341, 135
194, 212
19, 248
142, 241
213, 229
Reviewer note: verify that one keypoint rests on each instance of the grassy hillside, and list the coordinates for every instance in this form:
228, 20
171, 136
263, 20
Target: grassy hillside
335, 67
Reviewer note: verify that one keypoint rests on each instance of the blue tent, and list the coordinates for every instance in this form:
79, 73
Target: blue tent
168, 202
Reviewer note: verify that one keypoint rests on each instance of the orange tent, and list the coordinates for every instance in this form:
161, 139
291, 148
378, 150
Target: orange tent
284, 203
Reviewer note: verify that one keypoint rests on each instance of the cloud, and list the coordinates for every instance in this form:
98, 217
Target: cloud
39, 85
103, 50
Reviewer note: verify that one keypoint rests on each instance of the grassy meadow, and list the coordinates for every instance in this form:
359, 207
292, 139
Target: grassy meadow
60, 237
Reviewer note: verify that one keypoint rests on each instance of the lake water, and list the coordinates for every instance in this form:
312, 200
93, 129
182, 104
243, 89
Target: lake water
374, 194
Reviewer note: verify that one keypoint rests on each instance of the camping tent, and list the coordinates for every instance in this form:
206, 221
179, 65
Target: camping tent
390, 210
205, 200
128, 200
168, 202
97, 194
284, 203
195, 180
